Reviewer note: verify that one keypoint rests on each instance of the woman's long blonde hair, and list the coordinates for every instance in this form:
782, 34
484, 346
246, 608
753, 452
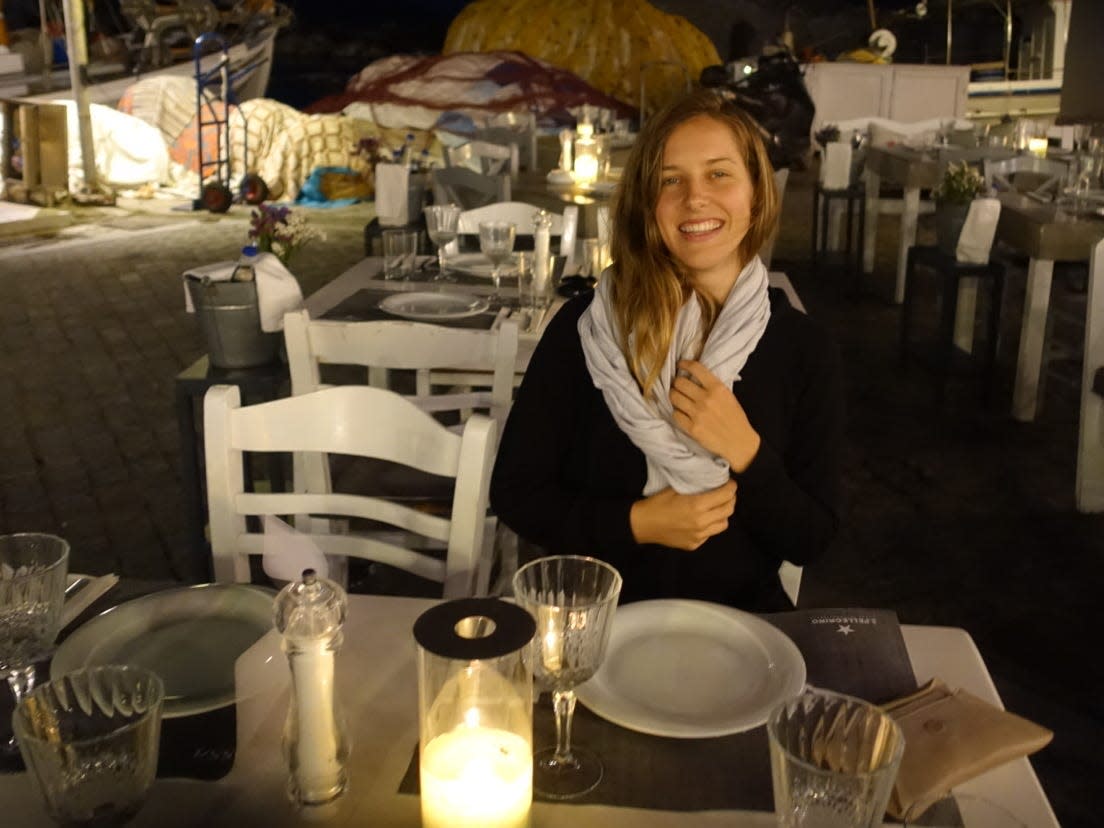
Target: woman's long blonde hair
648, 287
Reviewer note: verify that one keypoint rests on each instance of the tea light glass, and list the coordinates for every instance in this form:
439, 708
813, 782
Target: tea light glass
475, 714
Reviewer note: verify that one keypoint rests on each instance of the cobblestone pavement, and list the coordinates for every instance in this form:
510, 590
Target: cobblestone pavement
92, 333
957, 516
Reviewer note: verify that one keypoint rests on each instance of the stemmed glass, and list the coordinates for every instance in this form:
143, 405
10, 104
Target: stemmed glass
573, 599
442, 225
33, 567
496, 240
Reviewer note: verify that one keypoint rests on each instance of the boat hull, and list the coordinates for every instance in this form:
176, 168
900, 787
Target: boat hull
108, 90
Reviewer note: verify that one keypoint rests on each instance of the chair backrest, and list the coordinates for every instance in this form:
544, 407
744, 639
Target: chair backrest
518, 212
363, 422
1049, 173
485, 157
522, 214
422, 348
522, 134
467, 188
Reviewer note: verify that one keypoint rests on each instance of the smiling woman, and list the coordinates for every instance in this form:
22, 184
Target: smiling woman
683, 423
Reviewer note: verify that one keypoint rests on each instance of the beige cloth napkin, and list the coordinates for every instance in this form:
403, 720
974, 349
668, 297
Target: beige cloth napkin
835, 171
951, 737
392, 194
976, 239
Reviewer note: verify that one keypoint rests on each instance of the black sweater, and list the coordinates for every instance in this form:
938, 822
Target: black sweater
567, 476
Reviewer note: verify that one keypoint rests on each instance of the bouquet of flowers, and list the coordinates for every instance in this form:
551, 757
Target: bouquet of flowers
961, 184
281, 231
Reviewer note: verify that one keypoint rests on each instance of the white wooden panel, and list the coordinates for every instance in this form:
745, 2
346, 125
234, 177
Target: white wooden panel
923, 92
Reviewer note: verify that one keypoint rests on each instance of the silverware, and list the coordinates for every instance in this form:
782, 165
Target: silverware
81, 593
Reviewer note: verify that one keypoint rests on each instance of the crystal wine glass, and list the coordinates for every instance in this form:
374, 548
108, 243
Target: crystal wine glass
33, 567
496, 240
573, 599
442, 225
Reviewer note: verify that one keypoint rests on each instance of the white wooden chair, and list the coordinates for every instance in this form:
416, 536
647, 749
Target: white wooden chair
1090, 443
1046, 183
519, 129
485, 157
565, 226
360, 421
434, 352
467, 188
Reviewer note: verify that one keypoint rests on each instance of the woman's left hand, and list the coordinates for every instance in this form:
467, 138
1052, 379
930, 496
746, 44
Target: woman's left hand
707, 410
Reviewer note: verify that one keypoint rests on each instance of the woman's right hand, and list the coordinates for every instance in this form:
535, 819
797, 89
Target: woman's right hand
683, 521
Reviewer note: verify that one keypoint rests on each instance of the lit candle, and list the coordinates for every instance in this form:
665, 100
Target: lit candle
586, 154
1037, 146
477, 777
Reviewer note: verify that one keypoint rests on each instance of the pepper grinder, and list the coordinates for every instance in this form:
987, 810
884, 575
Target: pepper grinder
310, 615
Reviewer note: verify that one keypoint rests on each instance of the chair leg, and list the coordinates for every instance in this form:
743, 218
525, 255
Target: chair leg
945, 345
816, 224
850, 235
859, 243
996, 299
906, 308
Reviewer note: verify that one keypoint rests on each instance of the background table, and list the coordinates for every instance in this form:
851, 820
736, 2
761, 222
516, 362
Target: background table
1045, 234
377, 683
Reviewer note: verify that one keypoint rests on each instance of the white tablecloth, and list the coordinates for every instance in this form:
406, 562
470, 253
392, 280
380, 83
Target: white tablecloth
377, 683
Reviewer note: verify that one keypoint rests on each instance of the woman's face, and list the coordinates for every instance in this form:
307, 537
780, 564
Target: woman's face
704, 205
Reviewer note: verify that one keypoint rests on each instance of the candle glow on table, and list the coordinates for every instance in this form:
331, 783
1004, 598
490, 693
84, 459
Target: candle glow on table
1037, 146
477, 777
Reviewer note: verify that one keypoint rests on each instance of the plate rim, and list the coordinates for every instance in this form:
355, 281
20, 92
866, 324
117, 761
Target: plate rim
478, 305
450, 263
173, 708
587, 692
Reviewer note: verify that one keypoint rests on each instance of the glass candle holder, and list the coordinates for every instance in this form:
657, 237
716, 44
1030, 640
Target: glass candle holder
586, 155
475, 714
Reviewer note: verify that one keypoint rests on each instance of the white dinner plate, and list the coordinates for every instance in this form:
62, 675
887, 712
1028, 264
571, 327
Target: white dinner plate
476, 264
189, 636
433, 306
691, 670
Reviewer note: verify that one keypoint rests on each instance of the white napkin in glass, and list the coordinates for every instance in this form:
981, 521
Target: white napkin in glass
287, 552
392, 194
835, 170
976, 239
278, 290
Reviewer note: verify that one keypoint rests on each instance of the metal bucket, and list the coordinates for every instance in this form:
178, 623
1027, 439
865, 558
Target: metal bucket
231, 323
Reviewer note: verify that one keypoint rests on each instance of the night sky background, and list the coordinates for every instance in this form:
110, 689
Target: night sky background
331, 40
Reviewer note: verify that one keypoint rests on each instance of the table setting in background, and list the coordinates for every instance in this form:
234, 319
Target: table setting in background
371, 709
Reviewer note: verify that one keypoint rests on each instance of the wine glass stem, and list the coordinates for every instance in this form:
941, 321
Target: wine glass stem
21, 681
441, 259
563, 704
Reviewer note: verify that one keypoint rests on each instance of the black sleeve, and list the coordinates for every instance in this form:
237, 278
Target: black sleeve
789, 500
534, 489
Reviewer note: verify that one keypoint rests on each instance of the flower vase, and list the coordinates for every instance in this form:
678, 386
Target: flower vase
949, 221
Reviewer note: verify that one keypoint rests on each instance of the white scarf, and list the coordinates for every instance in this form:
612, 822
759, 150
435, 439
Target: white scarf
674, 458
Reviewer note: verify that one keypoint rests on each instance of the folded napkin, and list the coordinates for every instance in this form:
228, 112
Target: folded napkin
976, 239
278, 290
392, 194
951, 737
835, 169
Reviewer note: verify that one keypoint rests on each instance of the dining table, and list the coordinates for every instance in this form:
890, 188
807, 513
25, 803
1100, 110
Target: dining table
338, 298
376, 685
911, 169
1045, 232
